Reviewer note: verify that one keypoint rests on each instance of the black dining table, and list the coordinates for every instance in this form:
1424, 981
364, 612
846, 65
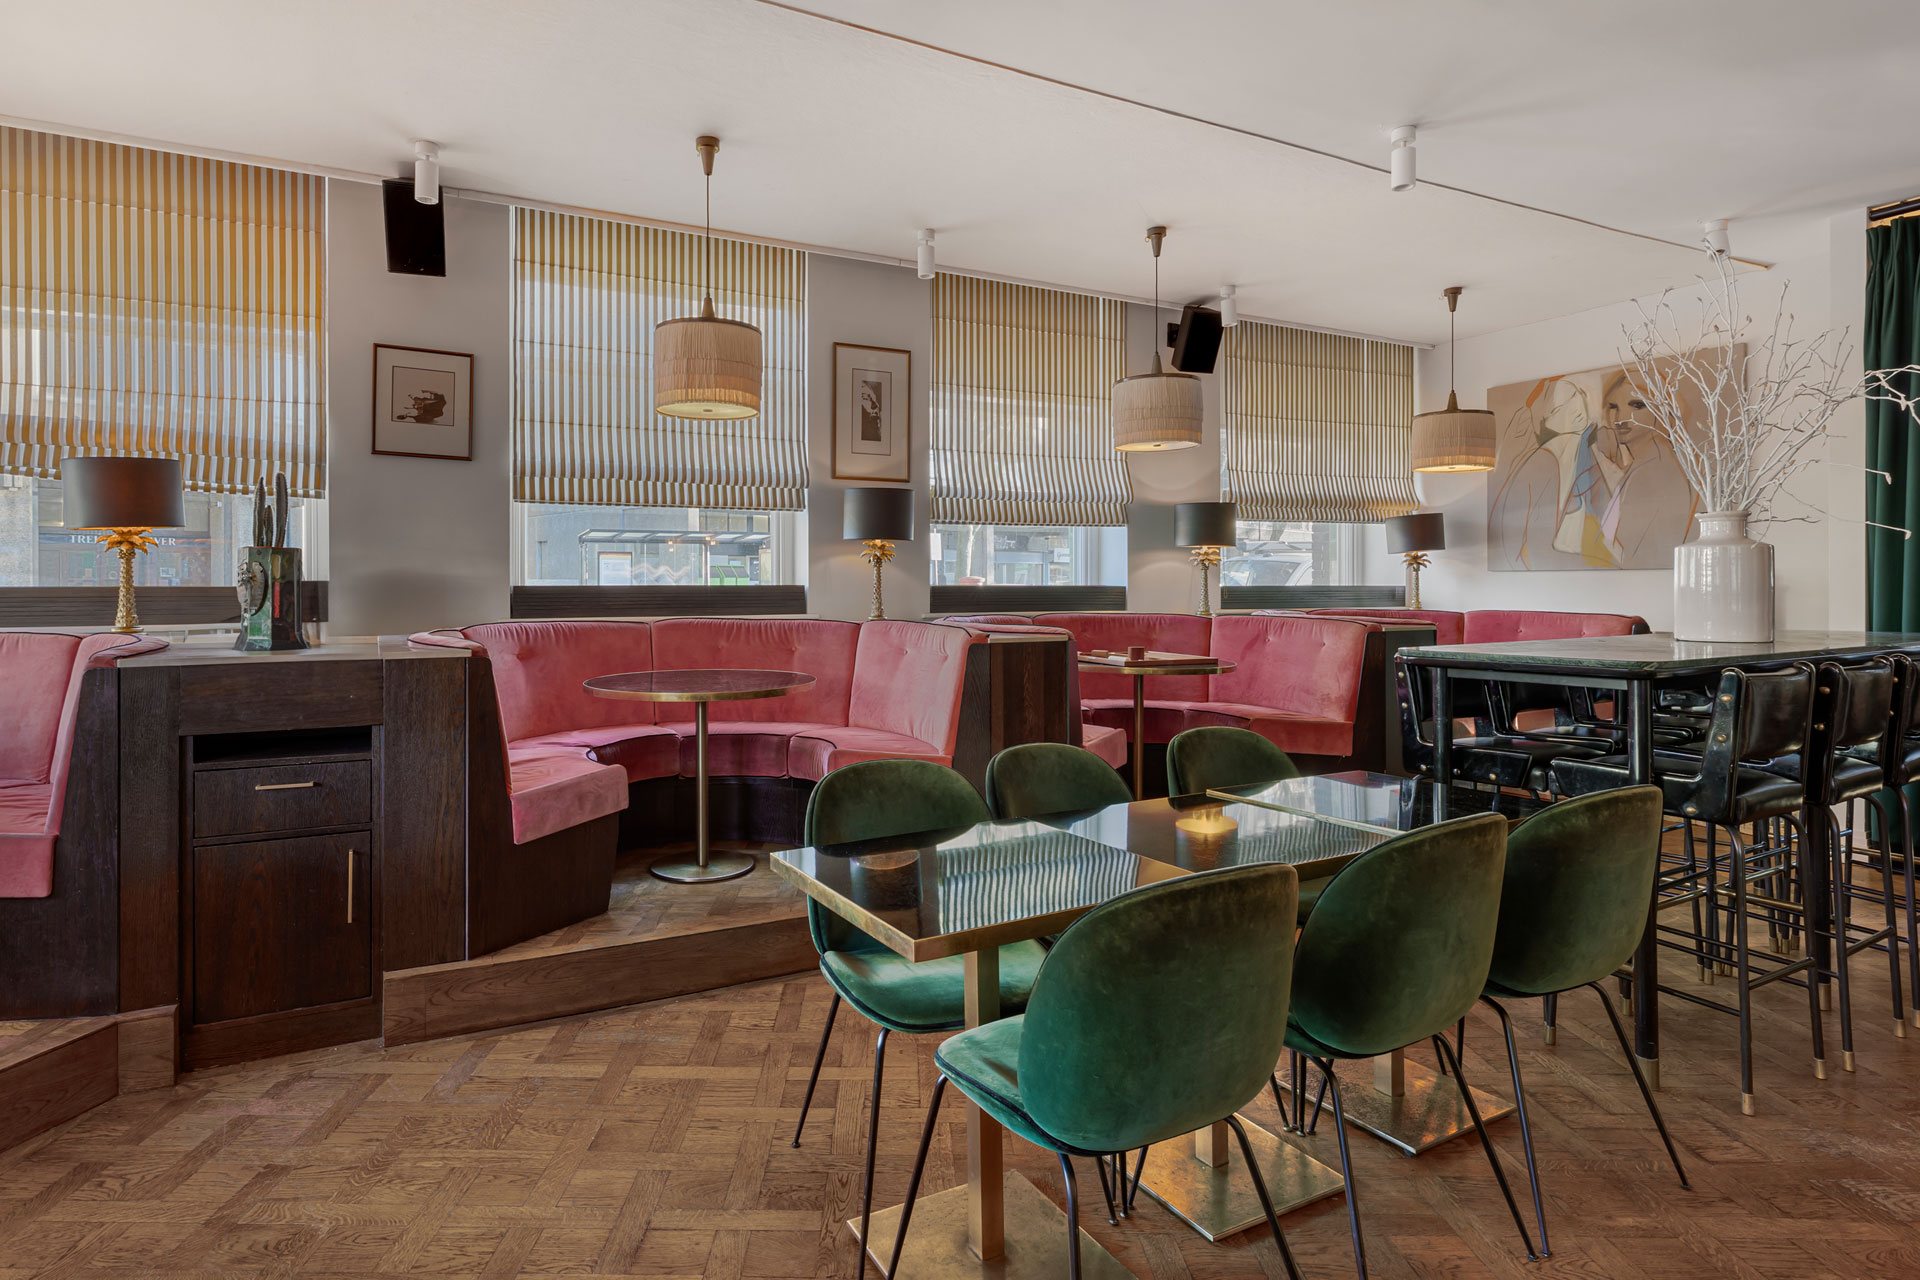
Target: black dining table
1636, 667
969, 891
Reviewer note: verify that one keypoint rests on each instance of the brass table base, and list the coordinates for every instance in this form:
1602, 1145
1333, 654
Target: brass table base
1427, 1114
1219, 1200
719, 866
1036, 1247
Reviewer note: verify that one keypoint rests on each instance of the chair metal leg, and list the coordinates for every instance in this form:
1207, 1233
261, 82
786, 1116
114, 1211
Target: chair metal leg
1279, 1104
1646, 1094
1266, 1203
1550, 1014
1742, 976
1806, 886
1073, 1217
1493, 1156
1912, 907
873, 1141
1133, 1187
913, 1184
1526, 1131
1841, 906
819, 1057
1106, 1189
1346, 1164
1891, 921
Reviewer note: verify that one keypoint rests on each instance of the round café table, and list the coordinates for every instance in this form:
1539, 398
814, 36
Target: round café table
699, 688
1198, 667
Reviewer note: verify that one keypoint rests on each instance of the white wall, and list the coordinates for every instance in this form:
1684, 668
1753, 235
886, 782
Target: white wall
415, 542
873, 305
1819, 567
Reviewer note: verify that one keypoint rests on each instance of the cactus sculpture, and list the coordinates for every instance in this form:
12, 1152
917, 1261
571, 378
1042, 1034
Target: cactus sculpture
268, 577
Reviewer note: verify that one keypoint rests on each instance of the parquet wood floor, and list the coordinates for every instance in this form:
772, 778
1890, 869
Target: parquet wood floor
653, 1141
643, 906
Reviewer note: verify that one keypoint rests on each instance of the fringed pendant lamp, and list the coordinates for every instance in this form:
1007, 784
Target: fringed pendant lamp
703, 366
1157, 410
1452, 439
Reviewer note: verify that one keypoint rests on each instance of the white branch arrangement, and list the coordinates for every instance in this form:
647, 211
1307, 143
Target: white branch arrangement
1768, 415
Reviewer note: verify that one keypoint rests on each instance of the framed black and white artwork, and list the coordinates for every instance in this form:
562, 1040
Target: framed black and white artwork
872, 407
422, 402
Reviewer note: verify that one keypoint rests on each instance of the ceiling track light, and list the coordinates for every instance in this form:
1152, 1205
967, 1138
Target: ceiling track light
1157, 411
1452, 439
1229, 307
927, 268
1714, 232
1400, 160
426, 171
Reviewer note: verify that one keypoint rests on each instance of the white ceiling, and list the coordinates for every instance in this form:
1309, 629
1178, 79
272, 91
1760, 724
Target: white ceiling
1640, 115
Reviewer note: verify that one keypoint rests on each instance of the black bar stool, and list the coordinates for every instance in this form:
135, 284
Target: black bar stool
1497, 760
1758, 716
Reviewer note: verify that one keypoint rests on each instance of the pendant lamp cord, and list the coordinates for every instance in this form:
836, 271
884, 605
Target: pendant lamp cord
709, 244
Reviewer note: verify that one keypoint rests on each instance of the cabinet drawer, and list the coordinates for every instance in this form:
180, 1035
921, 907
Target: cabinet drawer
281, 924
285, 797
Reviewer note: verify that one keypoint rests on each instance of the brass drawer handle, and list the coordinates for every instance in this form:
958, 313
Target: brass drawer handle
283, 786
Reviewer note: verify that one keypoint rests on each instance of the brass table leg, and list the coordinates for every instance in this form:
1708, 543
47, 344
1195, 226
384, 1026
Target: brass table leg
1200, 1181
1139, 737
1410, 1107
704, 866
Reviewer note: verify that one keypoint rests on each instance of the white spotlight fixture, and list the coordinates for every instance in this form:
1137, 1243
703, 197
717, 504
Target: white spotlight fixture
1229, 308
1714, 232
926, 254
1400, 160
426, 171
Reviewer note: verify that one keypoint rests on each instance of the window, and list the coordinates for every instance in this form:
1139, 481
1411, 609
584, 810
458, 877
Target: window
38, 550
968, 555
587, 293
1021, 426
583, 546
158, 305
1297, 553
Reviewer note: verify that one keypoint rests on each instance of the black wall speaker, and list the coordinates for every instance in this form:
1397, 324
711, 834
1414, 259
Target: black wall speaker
416, 233
1196, 339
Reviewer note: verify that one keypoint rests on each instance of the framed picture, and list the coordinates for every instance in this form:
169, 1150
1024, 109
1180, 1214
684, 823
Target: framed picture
422, 402
872, 407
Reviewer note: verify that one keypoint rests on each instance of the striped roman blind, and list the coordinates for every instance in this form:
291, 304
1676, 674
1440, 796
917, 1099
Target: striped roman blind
1022, 421
587, 293
160, 305
1316, 426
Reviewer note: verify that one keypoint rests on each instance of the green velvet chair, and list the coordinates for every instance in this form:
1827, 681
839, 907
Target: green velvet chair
1579, 877
1217, 756
1037, 779
1160, 1012
867, 801
1397, 952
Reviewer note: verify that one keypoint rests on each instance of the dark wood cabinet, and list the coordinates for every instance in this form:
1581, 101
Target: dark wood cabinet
280, 925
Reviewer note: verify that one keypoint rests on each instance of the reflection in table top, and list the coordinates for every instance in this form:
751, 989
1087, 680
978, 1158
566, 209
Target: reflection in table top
1655, 654
944, 893
697, 685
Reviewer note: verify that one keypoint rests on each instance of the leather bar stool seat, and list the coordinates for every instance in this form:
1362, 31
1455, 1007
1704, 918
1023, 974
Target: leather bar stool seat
1499, 760
1851, 777
1757, 793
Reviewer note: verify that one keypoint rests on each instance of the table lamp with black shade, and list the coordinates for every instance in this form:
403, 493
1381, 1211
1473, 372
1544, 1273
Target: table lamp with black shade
1205, 528
125, 499
878, 518
1411, 537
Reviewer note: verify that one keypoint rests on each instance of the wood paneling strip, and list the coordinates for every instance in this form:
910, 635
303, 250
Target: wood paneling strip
159, 606
992, 599
656, 602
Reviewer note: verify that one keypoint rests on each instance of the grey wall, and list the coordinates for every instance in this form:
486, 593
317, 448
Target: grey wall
415, 542
873, 305
1161, 578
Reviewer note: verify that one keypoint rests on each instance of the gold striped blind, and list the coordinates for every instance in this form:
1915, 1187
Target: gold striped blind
1316, 426
587, 293
1022, 392
160, 305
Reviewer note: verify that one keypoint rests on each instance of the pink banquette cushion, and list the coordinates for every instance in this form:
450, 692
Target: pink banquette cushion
1489, 626
538, 669
907, 679
820, 648
1167, 632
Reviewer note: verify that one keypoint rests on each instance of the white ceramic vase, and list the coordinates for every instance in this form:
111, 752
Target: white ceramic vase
1723, 583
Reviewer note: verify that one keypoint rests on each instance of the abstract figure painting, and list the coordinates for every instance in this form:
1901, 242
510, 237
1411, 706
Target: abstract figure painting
1581, 481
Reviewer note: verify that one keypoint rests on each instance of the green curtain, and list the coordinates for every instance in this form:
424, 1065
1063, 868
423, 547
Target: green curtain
1892, 339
